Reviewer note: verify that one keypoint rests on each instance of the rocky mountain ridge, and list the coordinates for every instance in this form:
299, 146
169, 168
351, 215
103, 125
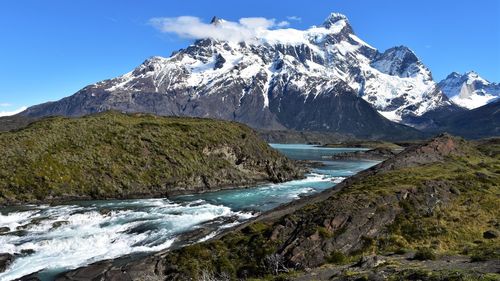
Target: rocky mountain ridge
324, 78
469, 90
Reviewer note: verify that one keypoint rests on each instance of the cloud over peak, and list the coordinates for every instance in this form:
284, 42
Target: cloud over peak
193, 28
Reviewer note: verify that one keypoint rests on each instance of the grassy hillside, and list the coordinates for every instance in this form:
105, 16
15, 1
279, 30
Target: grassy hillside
117, 155
436, 202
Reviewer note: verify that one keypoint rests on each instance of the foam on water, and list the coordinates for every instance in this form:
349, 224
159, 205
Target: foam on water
93, 233
267, 196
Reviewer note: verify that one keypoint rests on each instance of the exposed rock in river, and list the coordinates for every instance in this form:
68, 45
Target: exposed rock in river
5, 261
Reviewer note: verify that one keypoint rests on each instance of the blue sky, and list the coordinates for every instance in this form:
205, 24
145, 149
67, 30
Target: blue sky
51, 49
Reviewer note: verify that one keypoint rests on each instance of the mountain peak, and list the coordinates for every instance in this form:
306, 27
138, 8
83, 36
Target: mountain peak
333, 18
469, 90
453, 75
400, 61
402, 49
472, 74
216, 20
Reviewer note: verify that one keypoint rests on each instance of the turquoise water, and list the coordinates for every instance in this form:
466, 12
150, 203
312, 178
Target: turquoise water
268, 196
344, 168
75, 234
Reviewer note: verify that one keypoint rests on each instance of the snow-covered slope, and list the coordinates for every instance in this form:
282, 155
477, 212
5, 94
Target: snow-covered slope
469, 90
269, 80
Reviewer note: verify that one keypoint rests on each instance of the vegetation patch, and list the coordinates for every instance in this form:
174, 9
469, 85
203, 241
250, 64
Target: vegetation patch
337, 257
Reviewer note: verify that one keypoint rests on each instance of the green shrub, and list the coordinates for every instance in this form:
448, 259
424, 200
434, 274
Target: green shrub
423, 254
323, 232
401, 251
337, 257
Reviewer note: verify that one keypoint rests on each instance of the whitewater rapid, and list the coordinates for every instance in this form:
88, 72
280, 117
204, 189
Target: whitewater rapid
65, 237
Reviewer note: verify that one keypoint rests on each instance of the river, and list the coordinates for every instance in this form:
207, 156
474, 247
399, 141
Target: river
53, 239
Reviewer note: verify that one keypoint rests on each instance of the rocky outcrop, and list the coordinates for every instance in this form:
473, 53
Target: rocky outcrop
372, 154
490, 234
350, 225
436, 150
5, 261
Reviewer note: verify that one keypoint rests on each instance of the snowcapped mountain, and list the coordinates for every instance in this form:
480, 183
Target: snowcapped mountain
469, 90
314, 79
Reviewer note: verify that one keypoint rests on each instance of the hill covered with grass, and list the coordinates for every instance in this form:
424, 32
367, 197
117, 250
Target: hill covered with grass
114, 155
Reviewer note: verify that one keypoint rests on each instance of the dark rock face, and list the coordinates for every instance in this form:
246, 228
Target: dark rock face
219, 61
309, 137
336, 110
399, 61
349, 225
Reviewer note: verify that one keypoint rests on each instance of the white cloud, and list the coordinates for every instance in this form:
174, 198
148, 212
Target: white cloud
193, 28
282, 24
294, 18
13, 112
256, 23
5, 104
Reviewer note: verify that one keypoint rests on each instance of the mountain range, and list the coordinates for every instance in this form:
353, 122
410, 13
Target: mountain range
324, 78
469, 90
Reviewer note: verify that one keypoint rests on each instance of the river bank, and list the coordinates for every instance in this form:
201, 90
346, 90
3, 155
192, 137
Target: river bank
131, 228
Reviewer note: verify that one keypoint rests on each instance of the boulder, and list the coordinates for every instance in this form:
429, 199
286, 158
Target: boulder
490, 234
5, 260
